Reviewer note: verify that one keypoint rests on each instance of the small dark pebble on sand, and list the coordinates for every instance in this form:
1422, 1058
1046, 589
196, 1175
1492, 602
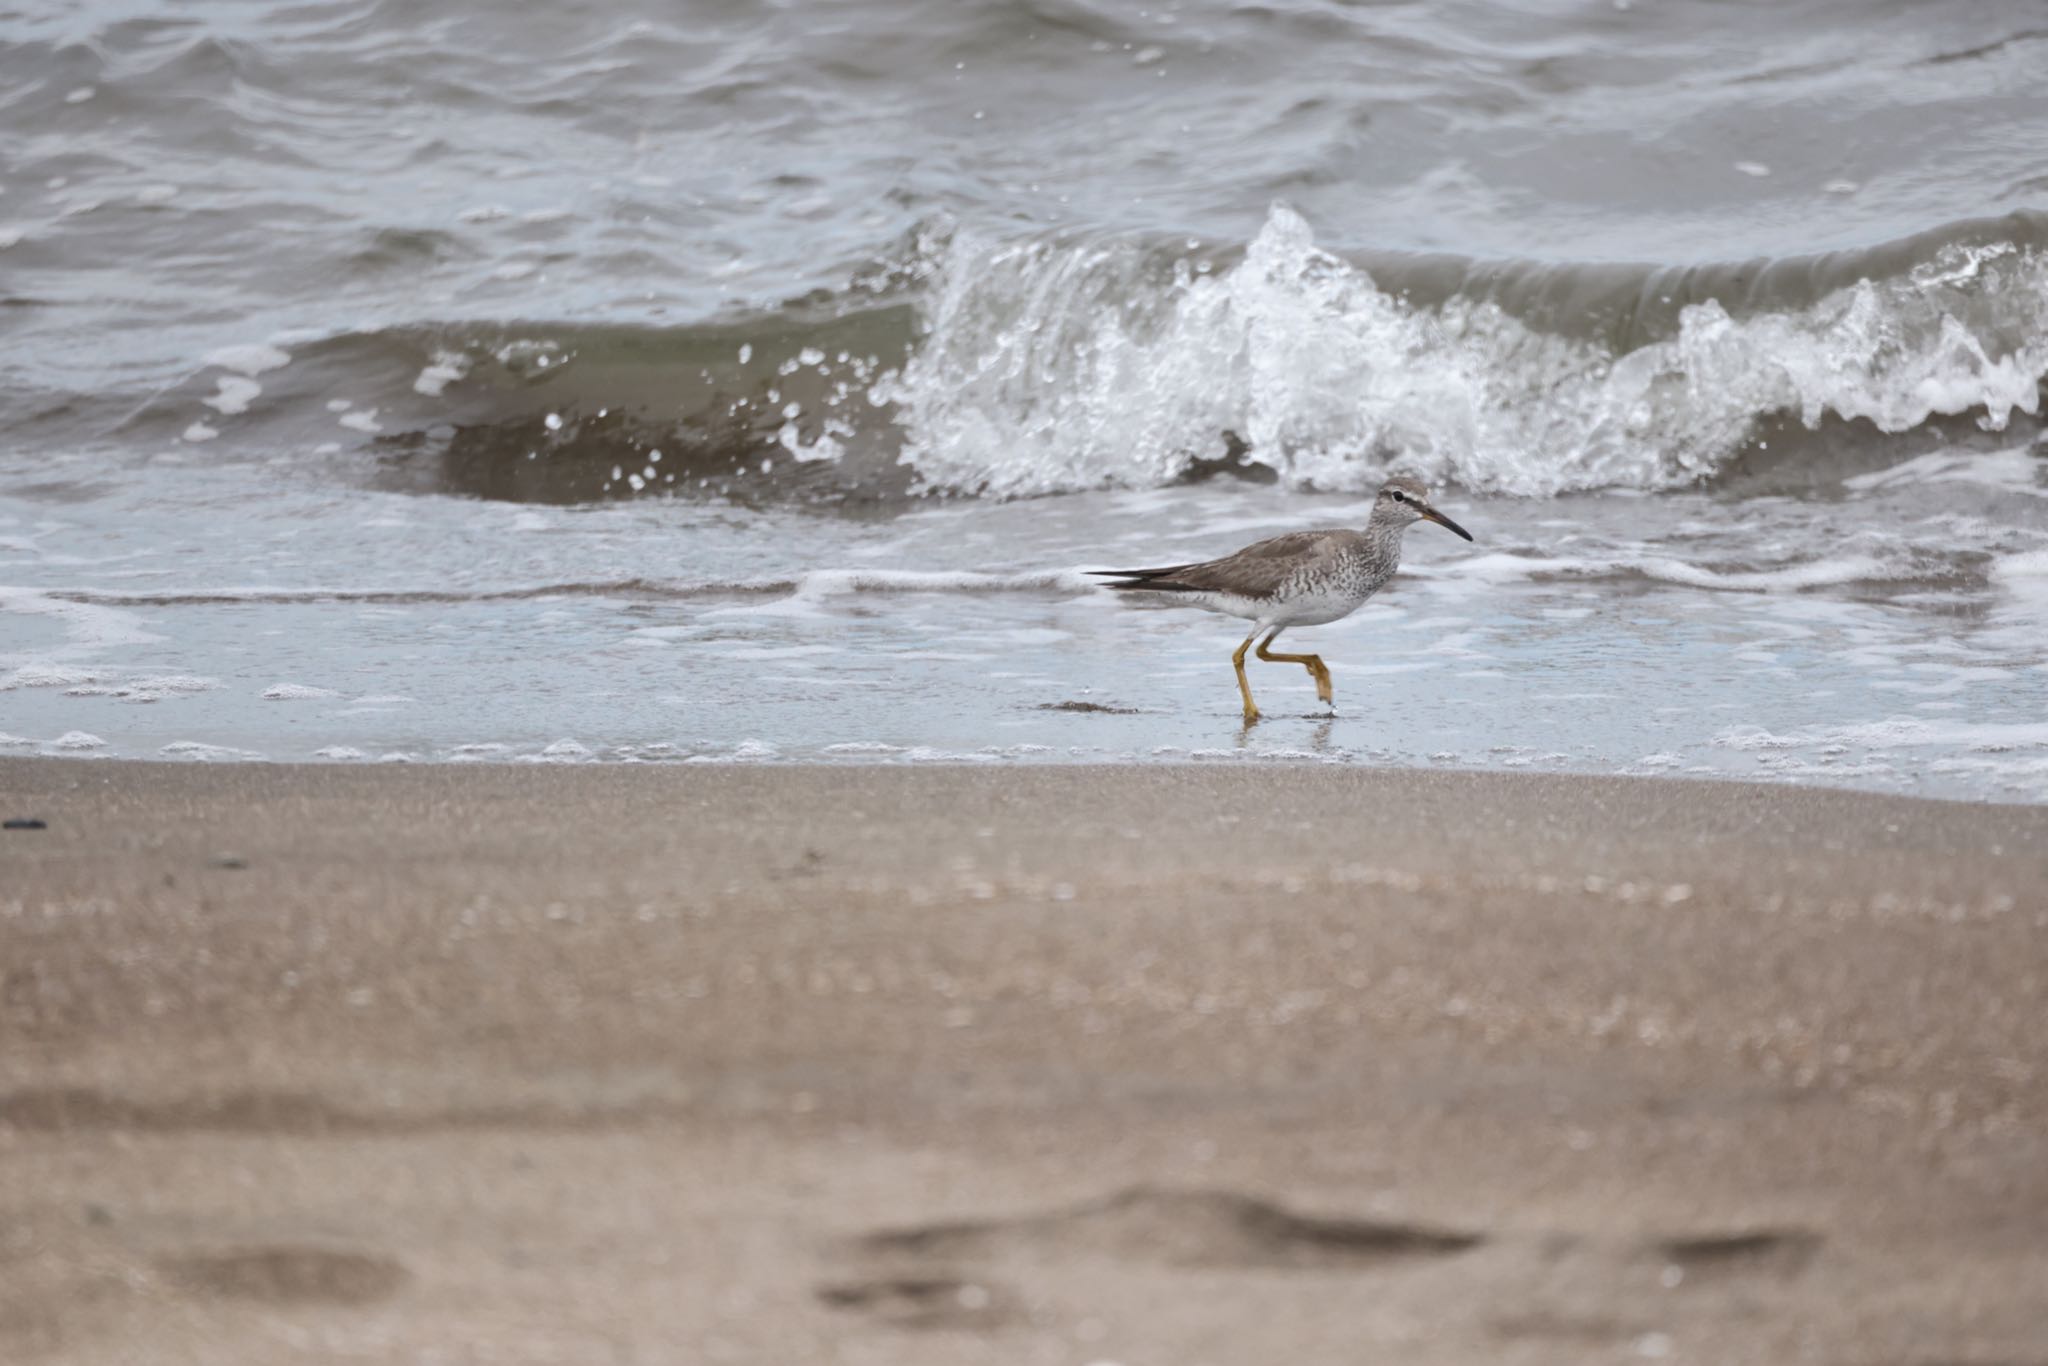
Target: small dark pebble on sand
1087, 706
24, 823
228, 861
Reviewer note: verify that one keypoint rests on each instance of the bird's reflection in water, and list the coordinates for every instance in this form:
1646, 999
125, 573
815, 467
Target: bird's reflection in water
1318, 735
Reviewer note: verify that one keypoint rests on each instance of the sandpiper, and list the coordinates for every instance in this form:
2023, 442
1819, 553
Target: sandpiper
1304, 578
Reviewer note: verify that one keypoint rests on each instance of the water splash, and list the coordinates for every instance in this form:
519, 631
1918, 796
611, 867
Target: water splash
1050, 366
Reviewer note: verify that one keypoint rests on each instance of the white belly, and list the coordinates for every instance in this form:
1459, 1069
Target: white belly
1316, 609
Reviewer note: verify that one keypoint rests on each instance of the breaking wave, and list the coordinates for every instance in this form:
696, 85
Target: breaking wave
1048, 368
976, 365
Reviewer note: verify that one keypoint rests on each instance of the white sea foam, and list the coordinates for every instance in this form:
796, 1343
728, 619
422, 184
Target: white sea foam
2028, 564
195, 749
447, 368
174, 684
235, 394
49, 676
141, 689
2035, 767
296, 692
2014, 469
746, 751
932, 754
810, 593
1824, 571
1786, 578
77, 740
1896, 732
1756, 737
89, 629
1053, 366
253, 359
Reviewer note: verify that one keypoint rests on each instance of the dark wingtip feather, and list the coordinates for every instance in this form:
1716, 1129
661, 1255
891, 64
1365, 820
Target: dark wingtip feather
1143, 580
1164, 571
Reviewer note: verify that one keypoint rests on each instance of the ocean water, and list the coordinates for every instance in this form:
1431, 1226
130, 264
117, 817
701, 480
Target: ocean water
400, 381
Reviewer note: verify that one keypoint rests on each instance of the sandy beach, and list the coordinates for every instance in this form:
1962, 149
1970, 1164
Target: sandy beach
579, 788
1167, 1064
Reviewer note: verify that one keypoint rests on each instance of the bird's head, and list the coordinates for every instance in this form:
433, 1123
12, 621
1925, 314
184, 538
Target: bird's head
1404, 500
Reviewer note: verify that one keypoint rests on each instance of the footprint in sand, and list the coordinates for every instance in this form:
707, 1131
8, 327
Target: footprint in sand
1208, 1229
1777, 1252
287, 1275
1184, 1228
924, 1301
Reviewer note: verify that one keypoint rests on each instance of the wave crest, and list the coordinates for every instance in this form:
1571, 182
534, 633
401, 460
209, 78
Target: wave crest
1050, 366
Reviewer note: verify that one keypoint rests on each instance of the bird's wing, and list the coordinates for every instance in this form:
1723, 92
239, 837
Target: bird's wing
1257, 571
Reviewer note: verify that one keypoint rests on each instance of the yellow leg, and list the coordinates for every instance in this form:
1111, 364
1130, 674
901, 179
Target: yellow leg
1251, 709
1317, 670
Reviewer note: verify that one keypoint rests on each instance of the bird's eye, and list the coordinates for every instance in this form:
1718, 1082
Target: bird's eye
1399, 496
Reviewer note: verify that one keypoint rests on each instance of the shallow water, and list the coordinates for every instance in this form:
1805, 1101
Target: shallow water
1676, 633
444, 382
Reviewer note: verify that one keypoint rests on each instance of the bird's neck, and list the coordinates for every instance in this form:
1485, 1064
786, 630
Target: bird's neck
1383, 544
1386, 529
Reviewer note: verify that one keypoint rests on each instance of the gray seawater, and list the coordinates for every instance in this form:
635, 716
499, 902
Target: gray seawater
739, 382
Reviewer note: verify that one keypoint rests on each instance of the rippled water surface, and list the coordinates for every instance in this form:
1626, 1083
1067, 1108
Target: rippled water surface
450, 380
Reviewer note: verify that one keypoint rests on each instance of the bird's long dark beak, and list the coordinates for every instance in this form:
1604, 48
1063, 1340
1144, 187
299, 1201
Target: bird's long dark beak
1433, 515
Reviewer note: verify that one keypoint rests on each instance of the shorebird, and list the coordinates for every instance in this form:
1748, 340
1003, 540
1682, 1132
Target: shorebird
1304, 578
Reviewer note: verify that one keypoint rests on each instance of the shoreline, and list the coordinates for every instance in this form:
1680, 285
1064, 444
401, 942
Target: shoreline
1129, 1063
1284, 762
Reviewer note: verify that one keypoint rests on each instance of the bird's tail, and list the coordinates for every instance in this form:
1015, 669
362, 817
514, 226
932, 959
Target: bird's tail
1159, 580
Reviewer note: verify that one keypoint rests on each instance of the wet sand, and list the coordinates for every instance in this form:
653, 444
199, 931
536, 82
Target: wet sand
1138, 1065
